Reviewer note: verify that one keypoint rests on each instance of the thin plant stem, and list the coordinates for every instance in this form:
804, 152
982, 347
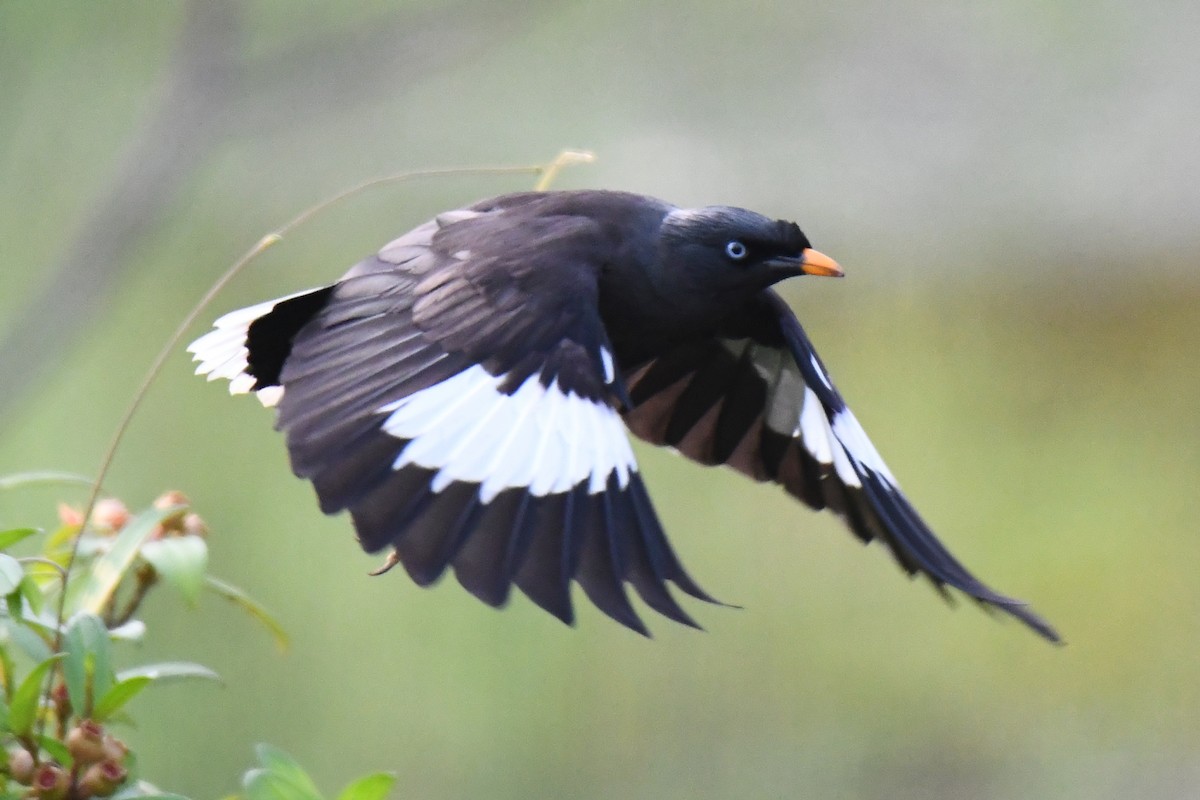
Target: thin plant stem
546, 173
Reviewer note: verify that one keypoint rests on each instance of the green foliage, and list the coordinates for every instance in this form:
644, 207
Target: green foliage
118, 695
23, 710
250, 606
181, 561
10, 574
169, 671
9, 538
65, 610
281, 778
87, 669
35, 478
371, 787
112, 566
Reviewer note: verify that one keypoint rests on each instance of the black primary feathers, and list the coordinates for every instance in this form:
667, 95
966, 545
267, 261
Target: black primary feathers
465, 395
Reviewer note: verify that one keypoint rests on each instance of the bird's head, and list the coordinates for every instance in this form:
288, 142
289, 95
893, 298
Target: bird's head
720, 252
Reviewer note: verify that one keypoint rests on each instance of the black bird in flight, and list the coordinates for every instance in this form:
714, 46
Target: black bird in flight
465, 394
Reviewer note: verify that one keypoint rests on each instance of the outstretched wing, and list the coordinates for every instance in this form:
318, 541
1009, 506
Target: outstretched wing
455, 393
757, 398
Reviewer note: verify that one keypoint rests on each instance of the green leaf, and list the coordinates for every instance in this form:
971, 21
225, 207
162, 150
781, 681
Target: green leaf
42, 476
282, 763
11, 537
110, 568
170, 671
261, 784
23, 710
372, 787
38, 623
28, 640
11, 574
120, 694
57, 750
4, 716
88, 666
248, 604
6, 680
58, 544
33, 594
181, 561
280, 779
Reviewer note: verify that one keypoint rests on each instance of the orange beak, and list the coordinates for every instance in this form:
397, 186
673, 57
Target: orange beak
814, 262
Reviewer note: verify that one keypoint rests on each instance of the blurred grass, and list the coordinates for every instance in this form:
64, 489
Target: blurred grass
1017, 334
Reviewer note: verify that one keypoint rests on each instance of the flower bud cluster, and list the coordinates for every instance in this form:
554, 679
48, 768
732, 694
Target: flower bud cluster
184, 523
98, 771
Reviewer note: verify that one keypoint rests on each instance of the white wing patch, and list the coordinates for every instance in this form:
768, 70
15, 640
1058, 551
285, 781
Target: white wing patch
854, 439
222, 351
538, 438
819, 440
842, 443
813, 428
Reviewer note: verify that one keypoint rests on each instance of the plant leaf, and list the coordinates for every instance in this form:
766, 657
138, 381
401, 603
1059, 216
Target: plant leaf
28, 640
33, 594
371, 787
57, 750
120, 694
58, 543
23, 710
108, 570
87, 669
11, 574
251, 606
181, 561
169, 671
6, 680
281, 778
38, 623
42, 476
262, 784
10, 537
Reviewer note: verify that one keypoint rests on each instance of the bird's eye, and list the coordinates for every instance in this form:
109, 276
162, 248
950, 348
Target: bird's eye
735, 250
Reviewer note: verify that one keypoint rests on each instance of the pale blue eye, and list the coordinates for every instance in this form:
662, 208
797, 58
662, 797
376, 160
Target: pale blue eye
735, 250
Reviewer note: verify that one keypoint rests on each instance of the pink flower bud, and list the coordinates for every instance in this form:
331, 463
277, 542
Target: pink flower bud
102, 780
20, 766
86, 743
50, 782
69, 515
173, 523
193, 525
115, 749
110, 514
172, 497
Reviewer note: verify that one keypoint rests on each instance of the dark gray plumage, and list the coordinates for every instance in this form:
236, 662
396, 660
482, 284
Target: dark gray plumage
464, 395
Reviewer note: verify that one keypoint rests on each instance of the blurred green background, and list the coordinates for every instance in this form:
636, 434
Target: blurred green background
1012, 190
